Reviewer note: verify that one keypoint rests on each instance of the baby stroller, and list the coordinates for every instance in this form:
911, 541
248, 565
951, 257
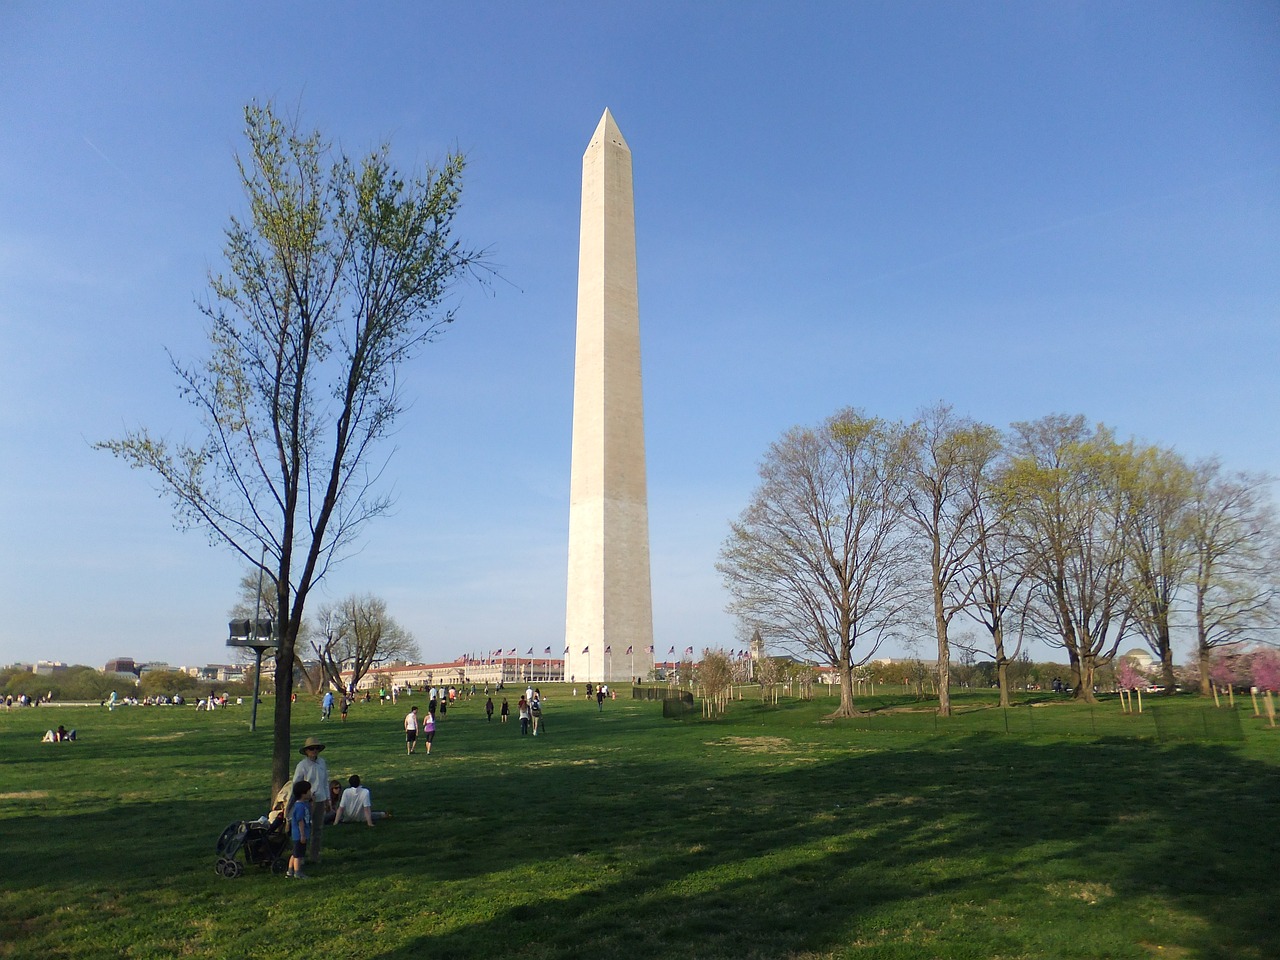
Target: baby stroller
259, 843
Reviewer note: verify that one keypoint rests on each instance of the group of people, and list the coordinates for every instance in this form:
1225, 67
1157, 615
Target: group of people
315, 800
61, 735
415, 725
529, 709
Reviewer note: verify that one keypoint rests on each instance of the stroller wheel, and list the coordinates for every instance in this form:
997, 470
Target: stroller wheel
234, 869
279, 865
220, 868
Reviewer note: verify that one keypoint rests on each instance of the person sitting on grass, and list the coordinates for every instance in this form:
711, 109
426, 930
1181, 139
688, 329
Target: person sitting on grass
356, 804
299, 827
335, 794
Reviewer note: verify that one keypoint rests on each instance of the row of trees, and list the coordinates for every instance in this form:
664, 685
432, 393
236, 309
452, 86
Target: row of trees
87, 684
863, 530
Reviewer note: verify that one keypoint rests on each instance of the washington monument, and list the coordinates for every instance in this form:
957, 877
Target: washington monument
609, 613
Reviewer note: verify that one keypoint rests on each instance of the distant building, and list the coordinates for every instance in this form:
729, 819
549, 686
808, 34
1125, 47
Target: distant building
48, 667
222, 672
466, 670
1141, 659
121, 665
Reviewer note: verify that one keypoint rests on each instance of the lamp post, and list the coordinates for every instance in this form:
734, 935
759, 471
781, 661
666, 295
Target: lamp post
259, 636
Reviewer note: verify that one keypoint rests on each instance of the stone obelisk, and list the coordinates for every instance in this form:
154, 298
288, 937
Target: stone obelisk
609, 612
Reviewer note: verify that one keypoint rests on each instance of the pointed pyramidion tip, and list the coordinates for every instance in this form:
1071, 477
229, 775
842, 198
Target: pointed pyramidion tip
607, 130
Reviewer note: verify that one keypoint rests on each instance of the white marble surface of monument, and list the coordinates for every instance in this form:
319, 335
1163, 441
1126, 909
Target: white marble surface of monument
609, 609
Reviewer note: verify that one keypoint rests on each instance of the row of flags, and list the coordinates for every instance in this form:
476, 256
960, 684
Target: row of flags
498, 655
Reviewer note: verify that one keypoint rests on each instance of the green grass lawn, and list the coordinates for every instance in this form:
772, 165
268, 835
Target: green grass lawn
771, 832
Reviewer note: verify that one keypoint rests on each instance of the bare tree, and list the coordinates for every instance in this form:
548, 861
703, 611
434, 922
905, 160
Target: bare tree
990, 585
949, 455
819, 560
1235, 555
334, 281
357, 635
1063, 492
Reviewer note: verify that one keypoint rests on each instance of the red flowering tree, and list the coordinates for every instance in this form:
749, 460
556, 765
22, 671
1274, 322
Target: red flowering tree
1264, 668
1128, 677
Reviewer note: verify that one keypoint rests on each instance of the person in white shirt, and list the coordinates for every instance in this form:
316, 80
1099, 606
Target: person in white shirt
411, 730
356, 804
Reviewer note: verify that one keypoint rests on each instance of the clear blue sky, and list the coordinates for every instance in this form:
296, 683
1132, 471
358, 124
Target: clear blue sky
1020, 209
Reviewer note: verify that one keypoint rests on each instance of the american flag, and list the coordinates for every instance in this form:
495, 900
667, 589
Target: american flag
586, 649
629, 651
608, 649
648, 649
512, 653
530, 653
688, 651
547, 652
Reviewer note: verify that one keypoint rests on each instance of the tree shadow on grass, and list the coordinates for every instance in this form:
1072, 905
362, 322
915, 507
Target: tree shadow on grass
829, 857
713, 852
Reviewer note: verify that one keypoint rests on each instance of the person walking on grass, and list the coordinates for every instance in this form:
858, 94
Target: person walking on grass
523, 707
488, 709
428, 731
411, 730
299, 827
506, 710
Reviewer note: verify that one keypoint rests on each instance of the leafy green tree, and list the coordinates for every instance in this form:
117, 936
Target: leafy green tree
715, 676
334, 281
169, 683
769, 673
1063, 490
1156, 486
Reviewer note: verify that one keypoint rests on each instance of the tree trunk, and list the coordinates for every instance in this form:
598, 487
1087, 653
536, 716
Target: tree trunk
1202, 654
846, 690
1002, 678
944, 651
1088, 667
280, 752
1202, 646
1164, 645
1166, 673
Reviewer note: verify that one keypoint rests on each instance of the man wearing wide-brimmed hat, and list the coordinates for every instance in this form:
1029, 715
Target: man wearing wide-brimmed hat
315, 771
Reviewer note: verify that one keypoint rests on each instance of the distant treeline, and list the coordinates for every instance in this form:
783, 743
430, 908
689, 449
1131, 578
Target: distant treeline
87, 684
